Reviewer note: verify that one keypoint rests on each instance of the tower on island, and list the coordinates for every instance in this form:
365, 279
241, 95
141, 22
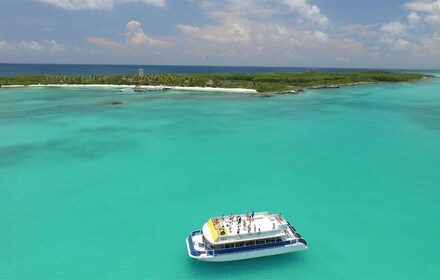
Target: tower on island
141, 72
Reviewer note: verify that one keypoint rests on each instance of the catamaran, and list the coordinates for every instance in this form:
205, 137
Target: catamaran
244, 236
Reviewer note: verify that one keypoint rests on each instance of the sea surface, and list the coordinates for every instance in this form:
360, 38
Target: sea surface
12, 69
90, 190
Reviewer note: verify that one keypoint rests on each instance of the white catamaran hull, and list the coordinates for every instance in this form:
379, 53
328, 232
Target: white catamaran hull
251, 254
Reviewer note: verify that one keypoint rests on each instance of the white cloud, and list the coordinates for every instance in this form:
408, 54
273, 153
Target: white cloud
430, 47
310, 12
282, 31
105, 43
393, 32
295, 42
52, 45
136, 36
188, 29
397, 44
47, 45
3, 45
394, 28
401, 44
222, 34
413, 19
97, 4
321, 36
238, 34
433, 18
430, 9
33, 45
436, 36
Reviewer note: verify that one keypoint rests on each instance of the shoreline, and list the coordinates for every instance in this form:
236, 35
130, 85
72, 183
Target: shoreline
152, 88
204, 89
253, 83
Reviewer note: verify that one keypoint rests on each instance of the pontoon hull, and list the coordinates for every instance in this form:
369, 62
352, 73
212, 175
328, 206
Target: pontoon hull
249, 254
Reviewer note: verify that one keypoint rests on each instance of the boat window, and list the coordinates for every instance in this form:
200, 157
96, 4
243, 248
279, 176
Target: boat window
278, 239
250, 243
260, 241
228, 246
239, 244
270, 240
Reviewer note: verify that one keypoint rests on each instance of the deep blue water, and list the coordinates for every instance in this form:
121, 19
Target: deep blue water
7, 69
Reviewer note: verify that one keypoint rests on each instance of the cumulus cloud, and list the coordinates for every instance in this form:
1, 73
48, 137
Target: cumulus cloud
320, 36
135, 37
394, 33
394, 28
430, 9
401, 44
36, 46
97, 4
47, 45
413, 19
238, 34
397, 44
52, 45
310, 12
33, 45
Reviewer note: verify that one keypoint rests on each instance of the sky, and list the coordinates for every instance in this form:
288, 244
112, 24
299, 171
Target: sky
293, 33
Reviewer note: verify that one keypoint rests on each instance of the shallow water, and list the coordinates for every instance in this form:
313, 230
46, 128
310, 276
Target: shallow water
92, 190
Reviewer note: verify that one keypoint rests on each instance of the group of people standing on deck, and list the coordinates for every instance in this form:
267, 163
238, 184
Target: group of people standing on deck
241, 222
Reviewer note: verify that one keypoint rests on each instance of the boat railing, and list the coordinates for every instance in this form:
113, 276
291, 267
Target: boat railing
303, 241
196, 232
194, 252
291, 227
297, 235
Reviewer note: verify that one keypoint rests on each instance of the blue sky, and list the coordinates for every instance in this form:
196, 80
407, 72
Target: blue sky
314, 33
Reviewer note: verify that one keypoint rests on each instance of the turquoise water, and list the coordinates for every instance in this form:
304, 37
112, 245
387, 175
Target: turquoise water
91, 190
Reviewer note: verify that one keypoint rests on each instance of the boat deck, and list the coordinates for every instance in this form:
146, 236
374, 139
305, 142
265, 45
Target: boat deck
225, 229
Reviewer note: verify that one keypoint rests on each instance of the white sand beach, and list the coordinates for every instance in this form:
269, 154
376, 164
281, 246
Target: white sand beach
205, 89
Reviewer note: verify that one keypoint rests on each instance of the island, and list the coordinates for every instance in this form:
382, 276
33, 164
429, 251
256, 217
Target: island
257, 82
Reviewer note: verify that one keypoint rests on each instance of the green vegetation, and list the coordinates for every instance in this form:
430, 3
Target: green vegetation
262, 82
